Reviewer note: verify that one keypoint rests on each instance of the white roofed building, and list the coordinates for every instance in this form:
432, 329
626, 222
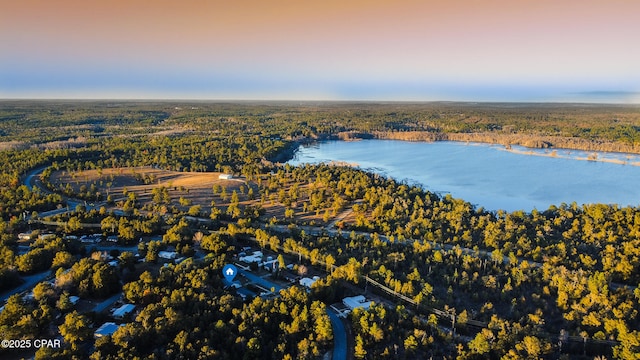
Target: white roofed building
307, 282
357, 302
169, 255
256, 257
123, 311
106, 329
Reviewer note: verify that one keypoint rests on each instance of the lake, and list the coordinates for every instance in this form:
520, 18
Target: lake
490, 175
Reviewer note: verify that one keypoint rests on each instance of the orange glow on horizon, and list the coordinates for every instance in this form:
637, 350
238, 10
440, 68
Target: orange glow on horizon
495, 41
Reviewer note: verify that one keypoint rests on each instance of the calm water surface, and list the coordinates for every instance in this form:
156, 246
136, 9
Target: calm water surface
490, 176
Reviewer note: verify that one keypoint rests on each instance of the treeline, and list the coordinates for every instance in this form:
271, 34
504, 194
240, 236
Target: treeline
178, 153
535, 268
507, 139
611, 127
604, 236
534, 281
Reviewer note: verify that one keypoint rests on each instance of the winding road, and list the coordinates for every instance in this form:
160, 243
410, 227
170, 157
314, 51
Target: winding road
340, 351
339, 336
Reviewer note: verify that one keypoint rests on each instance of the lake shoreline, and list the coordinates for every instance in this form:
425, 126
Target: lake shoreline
489, 175
593, 159
290, 152
529, 141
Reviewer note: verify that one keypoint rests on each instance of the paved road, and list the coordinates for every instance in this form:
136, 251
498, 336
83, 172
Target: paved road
32, 175
30, 281
486, 254
339, 336
32, 181
260, 281
23, 249
246, 292
133, 249
107, 303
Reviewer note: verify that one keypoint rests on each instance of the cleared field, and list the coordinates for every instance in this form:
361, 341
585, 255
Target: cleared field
195, 188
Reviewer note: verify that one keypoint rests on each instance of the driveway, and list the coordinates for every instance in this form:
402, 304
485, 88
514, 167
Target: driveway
260, 281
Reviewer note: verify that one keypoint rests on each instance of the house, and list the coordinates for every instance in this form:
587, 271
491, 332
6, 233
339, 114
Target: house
25, 236
74, 299
87, 239
230, 272
106, 329
307, 282
48, 236
256, 257
225, 176
123, 311
112, 238
270, 265
169, 255
357, 302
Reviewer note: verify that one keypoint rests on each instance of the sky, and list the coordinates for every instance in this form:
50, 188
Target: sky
399, 50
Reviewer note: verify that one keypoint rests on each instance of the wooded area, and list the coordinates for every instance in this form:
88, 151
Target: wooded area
453, 280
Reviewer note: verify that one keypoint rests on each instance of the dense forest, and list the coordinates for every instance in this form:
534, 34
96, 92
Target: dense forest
448, 279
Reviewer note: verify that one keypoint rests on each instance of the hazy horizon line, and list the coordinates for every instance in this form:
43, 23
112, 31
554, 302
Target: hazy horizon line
309, 100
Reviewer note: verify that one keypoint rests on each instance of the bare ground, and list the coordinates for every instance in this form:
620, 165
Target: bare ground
195, 187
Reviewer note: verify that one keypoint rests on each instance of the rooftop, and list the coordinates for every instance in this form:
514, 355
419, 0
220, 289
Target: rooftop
123, 310
357, 302
106, 329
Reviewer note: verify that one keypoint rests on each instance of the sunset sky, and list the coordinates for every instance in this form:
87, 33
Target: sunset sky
489, 50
